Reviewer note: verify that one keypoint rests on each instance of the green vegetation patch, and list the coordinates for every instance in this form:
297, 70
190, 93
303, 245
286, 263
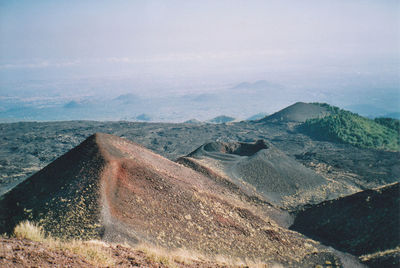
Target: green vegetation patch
389, 122
347, 127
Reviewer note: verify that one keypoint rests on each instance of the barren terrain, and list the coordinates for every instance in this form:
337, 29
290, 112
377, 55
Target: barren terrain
235, 190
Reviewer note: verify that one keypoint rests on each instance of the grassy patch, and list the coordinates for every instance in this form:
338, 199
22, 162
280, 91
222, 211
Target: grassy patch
99, 253
94, 253
30, 231
166, 257
379, 254
179, 257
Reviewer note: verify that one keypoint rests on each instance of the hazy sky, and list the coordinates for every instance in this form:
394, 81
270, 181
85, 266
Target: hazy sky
162, 29
199, 38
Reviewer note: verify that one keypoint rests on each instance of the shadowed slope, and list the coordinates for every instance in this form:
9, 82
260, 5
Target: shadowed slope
363, 223
111, 188
261, 169
64, 195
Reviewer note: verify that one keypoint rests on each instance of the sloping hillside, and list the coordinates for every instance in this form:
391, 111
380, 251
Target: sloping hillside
298, 112
257, 116
363, 223
113, 189
389, 122
261, 169
346, 127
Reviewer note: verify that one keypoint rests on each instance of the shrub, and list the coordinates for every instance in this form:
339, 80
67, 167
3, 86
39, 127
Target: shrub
389, 122
94, 253
28, 230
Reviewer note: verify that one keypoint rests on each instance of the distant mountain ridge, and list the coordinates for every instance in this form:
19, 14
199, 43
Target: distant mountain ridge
221, 119
393, 115
257, 116
260, 84
193, 121
143, 117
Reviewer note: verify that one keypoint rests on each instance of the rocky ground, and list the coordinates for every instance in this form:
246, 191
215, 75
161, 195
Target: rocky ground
365, 223
112, 189
26, 147
25, 253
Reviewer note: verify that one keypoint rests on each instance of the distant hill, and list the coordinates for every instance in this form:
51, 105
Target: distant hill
73, 105
393, 115
193, 121
367, 110
298, 112
127, 99
221, 119
347, 127
203, 98
257, 116
143, 117
363, 223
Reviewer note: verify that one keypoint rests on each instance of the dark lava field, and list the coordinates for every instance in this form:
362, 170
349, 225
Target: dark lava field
26, 147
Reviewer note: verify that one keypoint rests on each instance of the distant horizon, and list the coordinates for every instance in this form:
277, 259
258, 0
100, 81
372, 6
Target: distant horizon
217, 119
184, 59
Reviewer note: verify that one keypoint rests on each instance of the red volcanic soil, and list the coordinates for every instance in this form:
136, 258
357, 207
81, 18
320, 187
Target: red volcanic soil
26, 253
116, 190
